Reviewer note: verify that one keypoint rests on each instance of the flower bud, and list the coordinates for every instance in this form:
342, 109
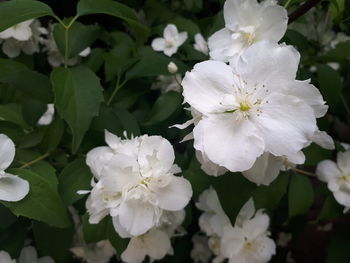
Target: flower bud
172, 68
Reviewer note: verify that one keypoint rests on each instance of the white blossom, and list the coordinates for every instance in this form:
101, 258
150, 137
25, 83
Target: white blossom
135, 184
6, 258
337, 177
251, 107
24, 37
47, 117
12, 187
248, 241
247, 22
284, 239
200, 44
172, 68
171, 40
200, 252
29, 255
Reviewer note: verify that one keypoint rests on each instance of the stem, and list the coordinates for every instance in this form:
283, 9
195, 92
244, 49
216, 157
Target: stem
117, 87
59, 20
291, 166
302, 10
35, 160
287, 4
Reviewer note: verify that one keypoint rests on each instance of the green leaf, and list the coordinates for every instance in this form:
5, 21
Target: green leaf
51, 241
331, 209
113, 8
300, 195
95, 232
12, 238
6, 218
80, 37
340, 52
330, 85
42, 203
75, 176
12, 112
47, 172
153, 64
53, 134
17, 11
233, 191
268, 197
127, 120
165, 106
339, 247
78, 95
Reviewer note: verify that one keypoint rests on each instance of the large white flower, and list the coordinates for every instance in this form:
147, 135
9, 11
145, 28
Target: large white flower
171, 40
29, 255
253, 106
12, 187
135, 183
6, 258
248, 241
337, 176
247, 22
16, 38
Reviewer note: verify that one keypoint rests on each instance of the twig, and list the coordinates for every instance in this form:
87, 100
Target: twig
35, 160
302, 10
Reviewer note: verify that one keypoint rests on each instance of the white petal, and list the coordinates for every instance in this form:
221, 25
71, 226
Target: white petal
342, 197
156, 155
28, 255
158, 44
265, 169
326, 170
22, 33
122, 232
85, 52
208, 166
343, 161
170, 32
246, 212
7, 151
240, 12
169, 51
158, 244
259, 65
286, 123
256, 226
6, 258
11, 48
13, 188
45, 260
97, 158
323, 139
222, 47
137, 217
205, 86
135, 251
112, 140
181, 38
232, 144
232, 241
175, 195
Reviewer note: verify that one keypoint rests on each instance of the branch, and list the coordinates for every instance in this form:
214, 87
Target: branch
302, 10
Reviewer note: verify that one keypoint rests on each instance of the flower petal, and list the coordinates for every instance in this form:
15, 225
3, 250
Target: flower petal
13, 188
343, 161
326, 170
28, 255
7, 151
158, 44
170, 32
97, 158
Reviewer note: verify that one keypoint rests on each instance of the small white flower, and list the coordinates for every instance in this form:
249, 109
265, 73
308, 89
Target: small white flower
85, 52
171, 40
247, 22
21, 31
251, 107
47, 117
29, 255
135, 184
200, 252
248, 241
337, 177
284, 239
6, 258
172, 68
168, 83
12, 187
200, 44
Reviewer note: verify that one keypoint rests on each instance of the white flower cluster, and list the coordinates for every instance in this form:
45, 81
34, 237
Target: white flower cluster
252, 115
27, 37
28, 255
245, 242
134, 183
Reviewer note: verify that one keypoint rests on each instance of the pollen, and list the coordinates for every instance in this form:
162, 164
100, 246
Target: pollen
244, 106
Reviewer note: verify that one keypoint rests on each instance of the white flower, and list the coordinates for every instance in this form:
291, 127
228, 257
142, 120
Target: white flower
155, 243
136, 183
252, 106
200, 44
85, 52
172, 68
247, 22
337, 177
170, 41
284, 239
12, 187
168, 83
21, 31
29, 255
13, 46
6, 258
47, 117
200, 252
213, 220
248, 241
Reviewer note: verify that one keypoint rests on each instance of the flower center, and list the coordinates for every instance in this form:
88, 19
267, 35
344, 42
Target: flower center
244, 106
